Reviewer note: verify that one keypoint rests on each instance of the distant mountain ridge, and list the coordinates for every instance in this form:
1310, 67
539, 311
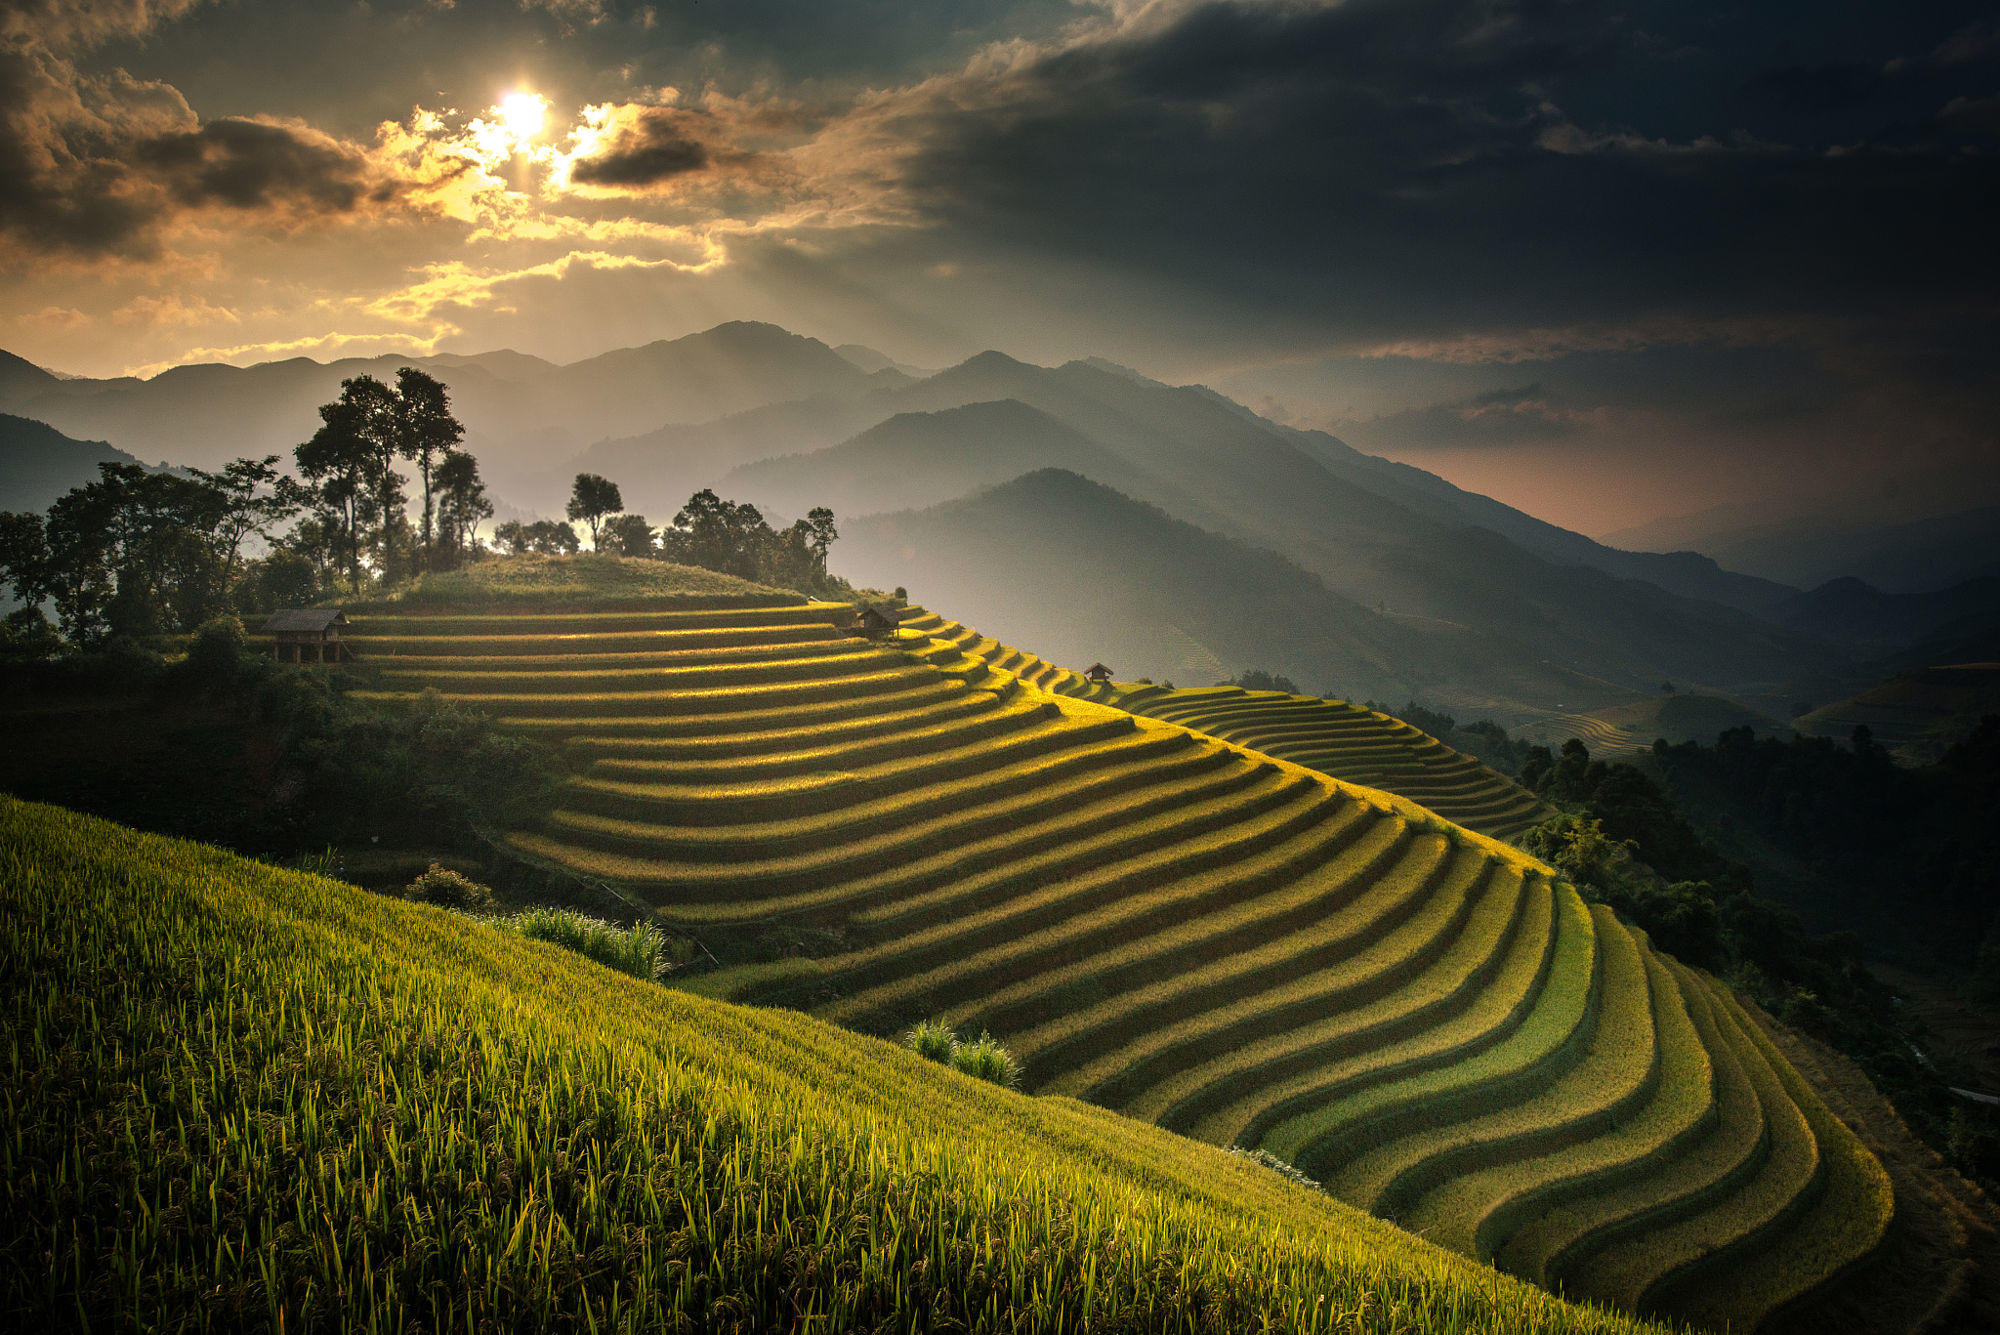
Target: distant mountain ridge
1080, 572
524, 416
789, 422
1909, 556
39, 463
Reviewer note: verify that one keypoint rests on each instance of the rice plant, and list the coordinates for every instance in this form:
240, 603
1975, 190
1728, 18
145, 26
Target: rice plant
639, 950
985, 1059
932, 1041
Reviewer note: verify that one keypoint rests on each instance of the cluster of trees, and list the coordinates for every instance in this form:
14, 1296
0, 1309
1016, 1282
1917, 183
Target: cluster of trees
708, 531
1484, 740
140, 553
355, 489
289, 762
1903, 853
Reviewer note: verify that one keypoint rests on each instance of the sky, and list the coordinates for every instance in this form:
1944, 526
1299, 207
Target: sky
1606, 261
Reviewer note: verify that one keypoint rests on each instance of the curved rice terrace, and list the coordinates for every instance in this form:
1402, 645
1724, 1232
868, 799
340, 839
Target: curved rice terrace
1337, 738
1182, 929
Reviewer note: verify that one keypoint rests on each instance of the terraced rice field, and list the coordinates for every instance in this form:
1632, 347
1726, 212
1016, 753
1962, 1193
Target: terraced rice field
1182, 929
1346, 741
1604, 738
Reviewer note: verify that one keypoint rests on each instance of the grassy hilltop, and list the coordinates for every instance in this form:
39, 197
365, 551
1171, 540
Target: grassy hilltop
1173, 926
244, 1098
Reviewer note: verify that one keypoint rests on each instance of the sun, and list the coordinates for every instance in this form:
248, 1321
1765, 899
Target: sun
523, 113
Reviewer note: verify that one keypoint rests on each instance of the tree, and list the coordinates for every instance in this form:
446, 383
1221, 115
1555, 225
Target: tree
462, 502
338, 462
426, 433
552, 538
591, 498
512, 537
544, 535
627, 535
134, 552
373, 411
256, 498
819, 523
24, 558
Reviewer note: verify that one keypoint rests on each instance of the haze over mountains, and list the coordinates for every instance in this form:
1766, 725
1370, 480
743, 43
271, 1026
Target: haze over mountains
1084, 511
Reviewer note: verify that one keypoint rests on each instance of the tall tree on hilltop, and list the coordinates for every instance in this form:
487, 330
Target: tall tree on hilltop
372, 410
426, 434
461, 502
819, 524
339, 461
591, 499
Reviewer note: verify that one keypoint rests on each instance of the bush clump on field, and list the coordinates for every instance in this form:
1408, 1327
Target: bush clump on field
982, 1058
448, 889
215, 657
1265, 1159
639, 950
931, 1040
987, 1060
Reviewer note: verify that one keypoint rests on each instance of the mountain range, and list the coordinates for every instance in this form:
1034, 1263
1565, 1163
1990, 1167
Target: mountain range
1175, 496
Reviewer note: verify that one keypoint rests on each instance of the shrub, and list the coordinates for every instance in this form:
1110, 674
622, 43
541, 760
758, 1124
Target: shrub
987, 1060
26, 636
931, 1041
448, 889
215, 658
640, 950
1288, 1171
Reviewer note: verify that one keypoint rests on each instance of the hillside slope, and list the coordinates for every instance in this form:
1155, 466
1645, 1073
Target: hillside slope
39, 463
249, 1098
1378, 534
1085, 573
1919, 715
915, 460
1188, 932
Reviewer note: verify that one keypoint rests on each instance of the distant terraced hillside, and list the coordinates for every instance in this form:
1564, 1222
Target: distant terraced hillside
1918, 716
1346, 741
1193, 933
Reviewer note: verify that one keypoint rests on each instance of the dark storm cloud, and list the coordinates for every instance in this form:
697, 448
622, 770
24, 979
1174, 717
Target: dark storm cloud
252, 165
656, 147
1403, 169
1508, 416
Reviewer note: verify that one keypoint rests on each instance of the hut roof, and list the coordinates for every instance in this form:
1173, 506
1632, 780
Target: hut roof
887, 611
1095, 669
296, 620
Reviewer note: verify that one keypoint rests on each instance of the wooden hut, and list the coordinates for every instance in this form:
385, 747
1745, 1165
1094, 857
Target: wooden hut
876, 620
308, 629
1097, 674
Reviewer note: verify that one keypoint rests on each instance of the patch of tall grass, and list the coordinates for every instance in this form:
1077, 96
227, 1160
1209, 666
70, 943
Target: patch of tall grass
639, 950
981, 1058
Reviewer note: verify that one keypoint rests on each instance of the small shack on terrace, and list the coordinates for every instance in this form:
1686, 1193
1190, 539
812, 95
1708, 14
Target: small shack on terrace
1097, 674
308, 629
876, 620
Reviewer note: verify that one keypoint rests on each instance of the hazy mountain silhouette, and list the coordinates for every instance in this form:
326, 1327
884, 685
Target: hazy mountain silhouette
524, 417
1856, 612
39, 463
917, 459
789, 422
1076, 571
